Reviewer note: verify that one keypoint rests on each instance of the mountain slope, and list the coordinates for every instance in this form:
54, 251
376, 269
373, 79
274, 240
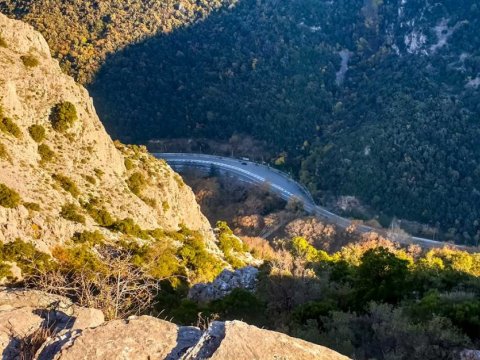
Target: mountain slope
71, 177
322, 83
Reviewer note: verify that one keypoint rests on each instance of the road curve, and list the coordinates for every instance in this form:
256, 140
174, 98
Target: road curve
280, 183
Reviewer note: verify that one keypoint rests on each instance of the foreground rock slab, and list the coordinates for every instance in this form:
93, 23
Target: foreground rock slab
139, 338
246, 342
146, 337
64, 331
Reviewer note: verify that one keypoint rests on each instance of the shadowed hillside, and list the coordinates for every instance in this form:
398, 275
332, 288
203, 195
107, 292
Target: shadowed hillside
393, 125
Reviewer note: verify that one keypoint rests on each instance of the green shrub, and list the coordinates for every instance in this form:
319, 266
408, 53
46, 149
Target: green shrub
3, 42
165, 206
29, 61
90, 179
67, 184
9, 127
242, 304
8, 198
129, 165
63, 116
77, 259
46, 154
137, 182
128, 227
4, 153
71, 212
159, 258
89, 237
37, 132
230, 244
26, 256
100, 215
32, 206
5, 271
149, 201
201, 265
186, 312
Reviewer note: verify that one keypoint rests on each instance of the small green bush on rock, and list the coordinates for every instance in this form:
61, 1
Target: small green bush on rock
98, 213
129, 227
46, 154
137, 182
67, 184
3, 152
8, 198
89, 237
63, 116
230, 244
9, 127
129, 165
29, 61
37, 132
32, 206
71, 212
26, 256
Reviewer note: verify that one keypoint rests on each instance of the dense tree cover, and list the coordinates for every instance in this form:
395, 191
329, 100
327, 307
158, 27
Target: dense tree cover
260, 68
400, 131
421, 164
366, 301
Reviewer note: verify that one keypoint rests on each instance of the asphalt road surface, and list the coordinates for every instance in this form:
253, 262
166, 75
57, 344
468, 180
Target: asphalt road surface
280, 183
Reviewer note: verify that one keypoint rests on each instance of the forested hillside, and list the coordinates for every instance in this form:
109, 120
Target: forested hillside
82, 33
372, 98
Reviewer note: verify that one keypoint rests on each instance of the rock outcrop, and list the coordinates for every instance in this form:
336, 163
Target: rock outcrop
245, 342
24, 313
141, 337
83, 157
244, 278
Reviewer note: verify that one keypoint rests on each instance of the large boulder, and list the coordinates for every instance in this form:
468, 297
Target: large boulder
144, 337
60, 309
29, 316
15, 325
240, 341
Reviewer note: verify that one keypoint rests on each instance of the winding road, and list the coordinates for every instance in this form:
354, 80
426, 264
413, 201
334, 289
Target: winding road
280, 183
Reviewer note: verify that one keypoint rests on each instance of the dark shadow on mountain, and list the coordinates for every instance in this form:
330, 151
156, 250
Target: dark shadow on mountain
400, 133
258, 67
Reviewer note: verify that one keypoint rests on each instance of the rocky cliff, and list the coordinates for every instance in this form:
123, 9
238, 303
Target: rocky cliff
60, 171
42, 326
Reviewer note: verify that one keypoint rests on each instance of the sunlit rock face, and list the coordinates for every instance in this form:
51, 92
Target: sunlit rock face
76, 166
